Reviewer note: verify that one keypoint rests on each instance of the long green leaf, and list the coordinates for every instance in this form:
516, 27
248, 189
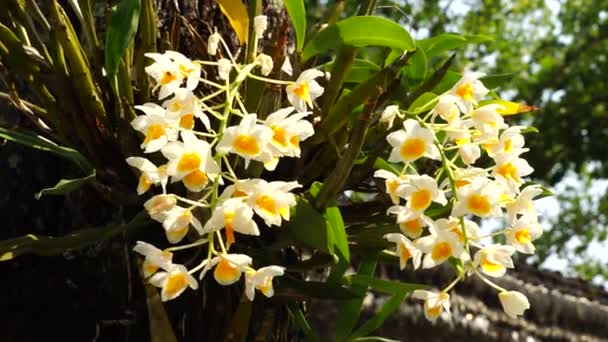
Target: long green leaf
298, 316
309, 227
297, 13
444, 42
66, 185
40, 143
348, 312
124, 19
423, 103
360, 31
417, 69
49, 246
336, 224
375, 322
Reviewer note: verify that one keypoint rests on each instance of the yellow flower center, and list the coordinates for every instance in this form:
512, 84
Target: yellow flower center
187, 121
179, 233
175, 106
523, 236
266, 287
176, 283
461, 183
302, 90
196, 179
506, 199
421, 199
144, 182
441, 251
150, 268
154, 132
456, 230
490, 267
412, 149
478, 205
185, 70
295, 141
246, 144
462, 141
508, 146
434, 311
465, 92
267, 204
189, 162
239, 193
405, 253
412, 228
225, 273
508, 170
167, 78
280, 136
229, 228
392, 185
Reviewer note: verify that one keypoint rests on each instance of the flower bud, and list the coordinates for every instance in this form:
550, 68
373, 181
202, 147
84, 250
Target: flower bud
158, 205
265, 63
260, 23
212, 44
514, 303
224, 67
389, 114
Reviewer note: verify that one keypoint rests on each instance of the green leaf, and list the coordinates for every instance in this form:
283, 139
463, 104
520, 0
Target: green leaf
124, 19
444, 42
529, 129
495, 81
308, 226
360, 31
348, 312
381, 164
40, 143
315, 187
423, 103
297, 13
49, 246
385, 311
386, 286
336, 224
298, 316
361, 70
417, 69
66, 185
372, 235
449, 79
478, 38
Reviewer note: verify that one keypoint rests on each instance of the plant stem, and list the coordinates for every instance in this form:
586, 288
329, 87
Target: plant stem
336, 180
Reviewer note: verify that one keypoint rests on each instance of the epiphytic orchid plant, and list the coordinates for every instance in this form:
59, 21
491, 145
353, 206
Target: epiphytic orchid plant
249, 153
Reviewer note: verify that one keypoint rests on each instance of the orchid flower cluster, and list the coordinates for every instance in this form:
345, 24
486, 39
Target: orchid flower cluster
202, 137
456, 132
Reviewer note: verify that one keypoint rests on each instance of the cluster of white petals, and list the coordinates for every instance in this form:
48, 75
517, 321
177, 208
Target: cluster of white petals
196, 142
458, 132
